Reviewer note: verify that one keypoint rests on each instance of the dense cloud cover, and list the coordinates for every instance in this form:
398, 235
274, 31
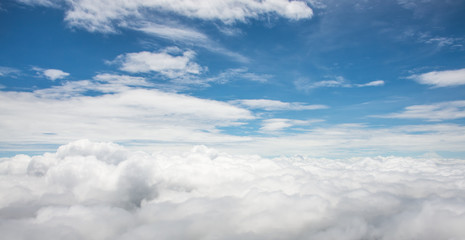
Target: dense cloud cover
90, 190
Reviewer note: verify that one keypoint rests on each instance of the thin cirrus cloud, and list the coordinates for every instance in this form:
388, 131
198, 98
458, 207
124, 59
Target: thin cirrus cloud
432, 112
338, 81
170, 62
448, 78
273, 105
100, 190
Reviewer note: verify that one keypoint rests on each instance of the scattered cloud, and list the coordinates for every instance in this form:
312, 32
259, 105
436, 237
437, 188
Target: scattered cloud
103, 191
273, 105
52, 74
170, 62
338, 81
433, 112
448, 78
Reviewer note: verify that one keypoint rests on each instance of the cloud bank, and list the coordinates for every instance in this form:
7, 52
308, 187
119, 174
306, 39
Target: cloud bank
89, 190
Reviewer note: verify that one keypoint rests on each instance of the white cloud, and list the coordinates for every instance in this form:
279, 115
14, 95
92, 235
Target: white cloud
273, 105
98, 191
119, 112
104, 15
170, 62
371, 84
449, 78
433, 112
100, 15
173, 32
52, 74
338, 81
278, 124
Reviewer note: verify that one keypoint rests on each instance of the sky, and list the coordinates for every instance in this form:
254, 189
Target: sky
273, 77
232, 119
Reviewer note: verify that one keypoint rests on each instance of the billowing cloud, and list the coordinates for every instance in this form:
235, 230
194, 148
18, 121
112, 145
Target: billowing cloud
273, 105
432, 112
170, 62
90, 190
448, 78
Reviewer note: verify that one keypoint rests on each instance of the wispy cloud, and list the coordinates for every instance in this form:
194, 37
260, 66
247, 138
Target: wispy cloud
338, 81
433, 112
279, 124
7, 71
448, 78
173, 32
274, 105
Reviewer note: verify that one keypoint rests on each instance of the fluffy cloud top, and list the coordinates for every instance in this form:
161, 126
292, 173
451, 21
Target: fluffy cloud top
165, 62
448, 78
52, 74
97, 191
103, 15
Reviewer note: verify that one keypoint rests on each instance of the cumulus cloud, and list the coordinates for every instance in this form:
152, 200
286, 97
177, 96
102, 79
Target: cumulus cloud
433, 112
448, 78
273, 105
170, 62
52, 74
89, 190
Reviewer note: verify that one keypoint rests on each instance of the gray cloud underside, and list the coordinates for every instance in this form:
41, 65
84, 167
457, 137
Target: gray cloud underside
92, 190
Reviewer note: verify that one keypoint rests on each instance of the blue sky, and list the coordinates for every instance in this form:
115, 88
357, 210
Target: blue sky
319, 78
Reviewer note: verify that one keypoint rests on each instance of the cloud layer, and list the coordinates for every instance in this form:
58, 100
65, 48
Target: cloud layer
89, 190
